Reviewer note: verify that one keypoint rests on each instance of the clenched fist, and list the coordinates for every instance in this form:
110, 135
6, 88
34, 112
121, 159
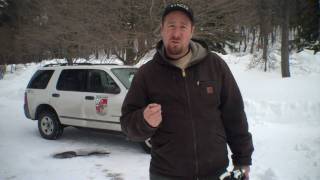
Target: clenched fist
152, 114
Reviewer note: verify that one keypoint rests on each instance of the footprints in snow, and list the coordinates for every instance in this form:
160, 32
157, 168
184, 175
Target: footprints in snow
77, 153
109, 174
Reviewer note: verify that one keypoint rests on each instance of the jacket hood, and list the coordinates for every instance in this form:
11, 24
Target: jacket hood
199, 51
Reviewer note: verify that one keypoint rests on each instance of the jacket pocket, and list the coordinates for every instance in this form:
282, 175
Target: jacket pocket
209, 93
161, 141
213, 150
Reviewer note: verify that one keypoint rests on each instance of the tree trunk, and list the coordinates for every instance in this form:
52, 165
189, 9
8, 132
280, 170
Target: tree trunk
245, 41
274, 36
123, 53
108, 53
96, 53
285, 40
253, 39
265, 51
2, 71
260, 39
71, 53
130, 55
69, 60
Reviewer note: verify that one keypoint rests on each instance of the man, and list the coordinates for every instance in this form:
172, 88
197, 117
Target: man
188, 102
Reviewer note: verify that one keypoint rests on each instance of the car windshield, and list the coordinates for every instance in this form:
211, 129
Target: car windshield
125, 75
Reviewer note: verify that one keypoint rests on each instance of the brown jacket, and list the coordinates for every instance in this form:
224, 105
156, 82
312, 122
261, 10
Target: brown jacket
202, 112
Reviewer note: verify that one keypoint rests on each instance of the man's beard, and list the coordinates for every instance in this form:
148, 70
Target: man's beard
174, 50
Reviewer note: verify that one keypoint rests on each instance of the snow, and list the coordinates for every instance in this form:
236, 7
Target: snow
283, 116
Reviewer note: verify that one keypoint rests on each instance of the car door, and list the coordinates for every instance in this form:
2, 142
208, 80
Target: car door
123, 76
69, 97
104, 93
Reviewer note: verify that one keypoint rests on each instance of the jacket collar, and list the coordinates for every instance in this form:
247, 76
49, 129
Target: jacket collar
199, 52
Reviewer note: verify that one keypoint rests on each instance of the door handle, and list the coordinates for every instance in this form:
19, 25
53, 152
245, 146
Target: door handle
89, 98
55, 95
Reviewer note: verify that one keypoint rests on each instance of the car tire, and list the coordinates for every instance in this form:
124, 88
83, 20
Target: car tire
49, 125
146, 145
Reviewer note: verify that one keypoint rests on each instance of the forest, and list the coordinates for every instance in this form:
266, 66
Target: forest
33, 30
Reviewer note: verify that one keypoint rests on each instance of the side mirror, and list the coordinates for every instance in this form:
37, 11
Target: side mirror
113, 88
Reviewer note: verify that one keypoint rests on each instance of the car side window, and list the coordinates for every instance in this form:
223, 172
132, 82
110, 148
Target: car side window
125, 75
72, 80
40, 79
102, 82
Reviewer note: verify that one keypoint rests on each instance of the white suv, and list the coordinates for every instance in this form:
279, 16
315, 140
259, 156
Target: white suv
80, 95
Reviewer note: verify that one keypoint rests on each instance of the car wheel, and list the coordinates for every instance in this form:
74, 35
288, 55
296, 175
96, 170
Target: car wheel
49, 125
146, 145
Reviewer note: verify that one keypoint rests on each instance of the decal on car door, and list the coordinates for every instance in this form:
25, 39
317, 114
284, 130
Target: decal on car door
101, 105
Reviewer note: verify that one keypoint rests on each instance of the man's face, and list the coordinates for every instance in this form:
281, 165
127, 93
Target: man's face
176, 32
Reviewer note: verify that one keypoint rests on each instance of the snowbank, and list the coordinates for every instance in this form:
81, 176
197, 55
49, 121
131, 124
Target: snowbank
283, 116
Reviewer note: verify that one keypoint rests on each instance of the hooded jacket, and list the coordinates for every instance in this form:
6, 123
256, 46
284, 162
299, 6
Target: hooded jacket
202, 112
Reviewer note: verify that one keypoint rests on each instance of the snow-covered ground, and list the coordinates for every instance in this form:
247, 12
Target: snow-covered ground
283, 115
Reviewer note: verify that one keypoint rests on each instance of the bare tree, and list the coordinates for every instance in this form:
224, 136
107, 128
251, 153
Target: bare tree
71, 29
285, 39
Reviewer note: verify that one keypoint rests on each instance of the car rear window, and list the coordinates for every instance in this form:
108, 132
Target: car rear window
40, 79
125, 75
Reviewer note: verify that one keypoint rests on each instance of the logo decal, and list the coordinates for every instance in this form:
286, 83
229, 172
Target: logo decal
209, 90
101, 105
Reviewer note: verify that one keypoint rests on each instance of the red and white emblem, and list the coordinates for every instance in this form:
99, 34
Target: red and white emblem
101, 105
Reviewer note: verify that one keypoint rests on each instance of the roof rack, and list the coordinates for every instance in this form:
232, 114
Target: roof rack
76, 64
55, 64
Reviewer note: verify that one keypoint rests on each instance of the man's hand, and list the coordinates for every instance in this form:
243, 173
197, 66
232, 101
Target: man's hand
246, 171
152, 114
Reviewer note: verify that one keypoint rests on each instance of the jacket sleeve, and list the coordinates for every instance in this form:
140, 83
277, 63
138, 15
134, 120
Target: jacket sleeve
234, 119
132, 121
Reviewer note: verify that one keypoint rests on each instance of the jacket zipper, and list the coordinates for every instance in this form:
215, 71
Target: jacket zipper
184, 75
